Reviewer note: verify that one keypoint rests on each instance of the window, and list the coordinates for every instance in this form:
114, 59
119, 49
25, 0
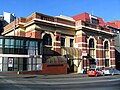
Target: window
71, 42
106, 53
21, 46
91, 43
33, 48
47, 40
106, 62
95, 21
1, 41
62, 41
92, 48
106, 49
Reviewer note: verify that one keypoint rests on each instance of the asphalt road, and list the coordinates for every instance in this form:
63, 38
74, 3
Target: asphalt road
36, 83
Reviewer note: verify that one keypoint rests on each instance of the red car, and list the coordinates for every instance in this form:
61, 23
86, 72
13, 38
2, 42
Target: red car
95, 72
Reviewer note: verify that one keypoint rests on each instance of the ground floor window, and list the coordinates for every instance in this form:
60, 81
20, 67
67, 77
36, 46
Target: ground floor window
21, 64
106, 62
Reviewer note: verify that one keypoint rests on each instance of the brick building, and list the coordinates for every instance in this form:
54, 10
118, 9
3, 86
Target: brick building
71, 44
115, 25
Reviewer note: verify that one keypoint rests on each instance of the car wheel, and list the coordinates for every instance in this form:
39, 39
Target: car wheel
103, 74
112, 74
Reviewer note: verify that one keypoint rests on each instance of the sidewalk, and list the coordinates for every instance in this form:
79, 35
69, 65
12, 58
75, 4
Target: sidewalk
42, 76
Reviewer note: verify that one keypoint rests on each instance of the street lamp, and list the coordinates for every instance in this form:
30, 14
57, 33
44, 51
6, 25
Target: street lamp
14, 22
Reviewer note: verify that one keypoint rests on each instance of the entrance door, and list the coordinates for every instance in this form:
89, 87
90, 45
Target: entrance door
70, 67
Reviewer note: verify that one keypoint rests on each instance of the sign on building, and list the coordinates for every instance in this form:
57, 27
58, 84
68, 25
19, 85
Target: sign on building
84, 52
10, 62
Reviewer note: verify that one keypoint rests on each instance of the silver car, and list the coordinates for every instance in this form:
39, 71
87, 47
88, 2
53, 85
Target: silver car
111, 71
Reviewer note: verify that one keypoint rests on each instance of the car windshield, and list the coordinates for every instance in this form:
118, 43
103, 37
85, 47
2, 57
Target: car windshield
95, 69
91, 69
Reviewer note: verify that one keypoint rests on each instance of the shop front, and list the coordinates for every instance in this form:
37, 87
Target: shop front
20, 54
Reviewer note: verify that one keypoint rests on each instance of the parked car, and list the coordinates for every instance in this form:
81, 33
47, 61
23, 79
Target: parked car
111, 71
95, 72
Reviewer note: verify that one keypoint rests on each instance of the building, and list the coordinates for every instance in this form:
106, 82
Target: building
115, 25
70, 44
5, 19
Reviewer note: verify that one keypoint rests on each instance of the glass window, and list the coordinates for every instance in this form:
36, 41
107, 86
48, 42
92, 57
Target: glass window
12, 43
95, 21
17, 43
106, 45
92, 53
106, 62
7, 43
92, 48
1, 42
47, 40
32, 44
71, 42
106, 49
91, 43
62, 41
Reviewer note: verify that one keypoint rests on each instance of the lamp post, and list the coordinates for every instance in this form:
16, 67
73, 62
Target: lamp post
14, 23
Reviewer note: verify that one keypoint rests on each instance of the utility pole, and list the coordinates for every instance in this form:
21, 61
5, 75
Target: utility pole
14, 23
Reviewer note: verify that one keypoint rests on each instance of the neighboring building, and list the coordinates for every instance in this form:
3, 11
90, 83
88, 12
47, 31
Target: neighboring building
5, 19
20, 54
69, 44
115, 25
8, 17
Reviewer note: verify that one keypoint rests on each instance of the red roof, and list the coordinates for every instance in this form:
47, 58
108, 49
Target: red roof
83, 16
112, 24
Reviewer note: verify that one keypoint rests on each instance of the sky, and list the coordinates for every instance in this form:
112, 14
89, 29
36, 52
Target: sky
109, 10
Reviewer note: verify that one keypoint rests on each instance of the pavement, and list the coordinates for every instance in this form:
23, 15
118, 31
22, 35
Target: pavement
71, 75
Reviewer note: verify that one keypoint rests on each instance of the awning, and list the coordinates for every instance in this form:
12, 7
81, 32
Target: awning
55, 59
71, 52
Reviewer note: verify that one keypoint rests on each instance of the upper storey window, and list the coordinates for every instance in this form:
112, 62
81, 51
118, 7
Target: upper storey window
47, 40
94, 21
62, 41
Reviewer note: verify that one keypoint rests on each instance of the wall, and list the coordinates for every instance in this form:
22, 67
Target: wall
47, 69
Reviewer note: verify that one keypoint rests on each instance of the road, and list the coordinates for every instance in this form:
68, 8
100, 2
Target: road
37, 83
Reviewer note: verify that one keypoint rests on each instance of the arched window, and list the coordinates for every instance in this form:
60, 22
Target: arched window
91, 43
106, 53
47, 40
92, 48
106, 45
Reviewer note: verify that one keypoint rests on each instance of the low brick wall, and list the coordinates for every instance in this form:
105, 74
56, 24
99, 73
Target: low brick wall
54, 69
46, 69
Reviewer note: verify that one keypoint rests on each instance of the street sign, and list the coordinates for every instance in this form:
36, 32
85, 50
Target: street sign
84, 52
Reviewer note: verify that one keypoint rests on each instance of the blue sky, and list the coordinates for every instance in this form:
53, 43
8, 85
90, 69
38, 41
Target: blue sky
107, 9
